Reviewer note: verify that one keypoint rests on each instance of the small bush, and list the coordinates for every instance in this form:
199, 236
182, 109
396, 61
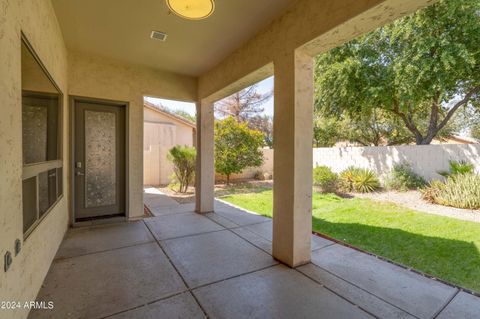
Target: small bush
325, 179
459, 190
455, 168
402, 178
359, 180
183, 159
259, 176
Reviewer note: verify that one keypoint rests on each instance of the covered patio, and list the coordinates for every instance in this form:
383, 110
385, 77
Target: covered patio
72, 225
180, 264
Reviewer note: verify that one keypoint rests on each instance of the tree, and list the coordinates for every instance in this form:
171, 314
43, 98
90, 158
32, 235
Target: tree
246, 106
420, 69
183, 159
264, 124
236, 147
243, 105
185, 115
376, 128
326, 131
475, 131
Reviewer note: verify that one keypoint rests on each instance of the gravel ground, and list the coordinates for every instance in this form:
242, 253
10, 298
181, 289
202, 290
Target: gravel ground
220, 190
413, 200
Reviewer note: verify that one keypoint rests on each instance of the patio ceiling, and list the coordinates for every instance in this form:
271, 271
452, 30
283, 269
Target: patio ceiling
120, 29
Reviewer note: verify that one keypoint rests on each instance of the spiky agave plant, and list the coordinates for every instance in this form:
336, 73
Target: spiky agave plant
365, 181
347, 178
461, 191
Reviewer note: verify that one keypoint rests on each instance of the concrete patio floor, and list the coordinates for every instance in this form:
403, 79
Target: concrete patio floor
179, 264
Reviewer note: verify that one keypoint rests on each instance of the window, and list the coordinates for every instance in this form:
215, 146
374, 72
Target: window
41, 140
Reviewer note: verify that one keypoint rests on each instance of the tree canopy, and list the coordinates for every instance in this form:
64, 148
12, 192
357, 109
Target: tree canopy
264, 124
475, 131
185, 115
243, 105
247, 106
375, 128
420, 69
236, 147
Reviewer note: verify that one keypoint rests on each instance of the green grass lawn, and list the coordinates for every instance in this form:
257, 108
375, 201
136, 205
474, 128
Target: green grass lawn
439, 246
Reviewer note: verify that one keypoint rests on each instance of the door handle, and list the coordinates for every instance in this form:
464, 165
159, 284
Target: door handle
79, 174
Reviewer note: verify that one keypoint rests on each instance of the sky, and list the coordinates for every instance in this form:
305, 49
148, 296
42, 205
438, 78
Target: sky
263, 87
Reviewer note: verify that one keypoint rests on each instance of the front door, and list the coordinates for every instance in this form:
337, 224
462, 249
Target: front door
99, 161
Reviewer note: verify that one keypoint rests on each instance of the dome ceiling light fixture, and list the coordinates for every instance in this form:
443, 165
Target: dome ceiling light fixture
192, 9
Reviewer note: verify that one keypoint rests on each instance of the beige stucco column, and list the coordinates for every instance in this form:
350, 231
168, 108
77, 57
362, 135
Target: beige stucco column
204, 175
293, 129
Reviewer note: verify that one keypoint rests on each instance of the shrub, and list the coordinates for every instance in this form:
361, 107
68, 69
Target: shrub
402, 178
359, 180
324, 178
259, 176
455, 168
459, 190
183, 159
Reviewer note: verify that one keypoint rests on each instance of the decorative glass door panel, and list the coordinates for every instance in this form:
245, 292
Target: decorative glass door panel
99, 160
100, 164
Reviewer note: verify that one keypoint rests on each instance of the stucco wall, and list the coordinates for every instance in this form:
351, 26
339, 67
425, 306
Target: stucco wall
37, 20
426, 160
184, 133
96, 77
161, 133
250, 172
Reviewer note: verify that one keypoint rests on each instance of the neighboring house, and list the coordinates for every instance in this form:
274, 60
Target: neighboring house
456, 139
162, 131
452, 139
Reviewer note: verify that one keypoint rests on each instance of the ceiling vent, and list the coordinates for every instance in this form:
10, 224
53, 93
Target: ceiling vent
157, 35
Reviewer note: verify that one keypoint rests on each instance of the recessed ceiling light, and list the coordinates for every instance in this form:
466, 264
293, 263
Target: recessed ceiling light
157, 35
192, 9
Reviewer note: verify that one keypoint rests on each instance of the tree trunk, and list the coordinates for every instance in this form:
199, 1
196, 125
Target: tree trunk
429, 138
228, 180
434, 127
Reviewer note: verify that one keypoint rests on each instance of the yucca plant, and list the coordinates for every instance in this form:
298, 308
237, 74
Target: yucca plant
455, 168
365, 181
347, 177
354, 179
461, 191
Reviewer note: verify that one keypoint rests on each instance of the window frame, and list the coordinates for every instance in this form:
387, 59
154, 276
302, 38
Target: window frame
35, 169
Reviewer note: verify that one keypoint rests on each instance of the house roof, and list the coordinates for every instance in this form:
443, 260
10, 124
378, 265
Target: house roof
464, 139
174, 117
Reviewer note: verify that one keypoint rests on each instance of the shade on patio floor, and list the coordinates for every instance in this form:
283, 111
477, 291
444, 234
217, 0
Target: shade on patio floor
179, 264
